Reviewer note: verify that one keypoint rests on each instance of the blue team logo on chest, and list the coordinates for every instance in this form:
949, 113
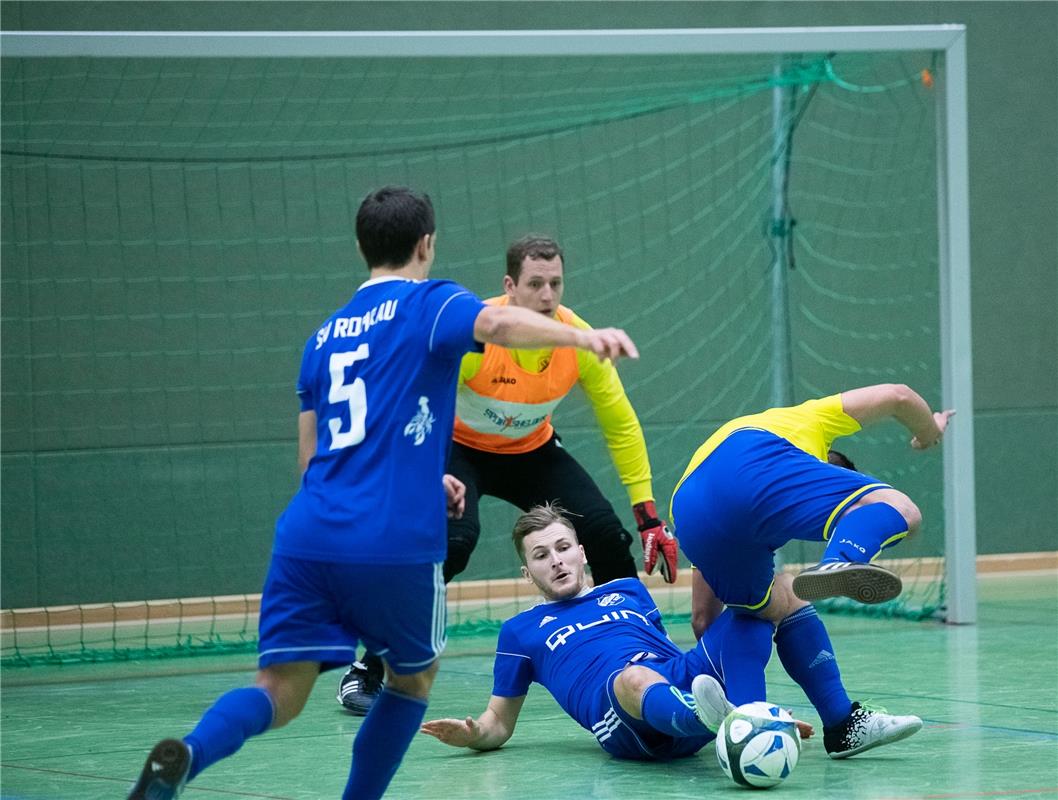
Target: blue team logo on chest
612, 599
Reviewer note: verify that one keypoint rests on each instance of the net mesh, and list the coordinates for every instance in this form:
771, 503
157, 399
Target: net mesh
173, 228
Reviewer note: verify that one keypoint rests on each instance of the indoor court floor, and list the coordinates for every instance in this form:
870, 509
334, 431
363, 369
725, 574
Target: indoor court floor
988, 694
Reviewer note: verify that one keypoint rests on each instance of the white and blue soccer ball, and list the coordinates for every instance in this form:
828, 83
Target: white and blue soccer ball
758, 745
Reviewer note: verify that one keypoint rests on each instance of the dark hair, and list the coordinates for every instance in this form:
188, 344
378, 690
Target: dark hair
840, 460
389, 224
536, 519
531, 246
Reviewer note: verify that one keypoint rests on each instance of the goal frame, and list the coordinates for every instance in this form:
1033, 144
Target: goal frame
948, 40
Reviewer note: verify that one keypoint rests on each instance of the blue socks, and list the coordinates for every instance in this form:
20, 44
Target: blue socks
808, 657
381, 742
865, 532
744, 653
234, 718
668, 710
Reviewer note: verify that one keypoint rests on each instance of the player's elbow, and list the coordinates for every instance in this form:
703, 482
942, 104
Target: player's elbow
892, 397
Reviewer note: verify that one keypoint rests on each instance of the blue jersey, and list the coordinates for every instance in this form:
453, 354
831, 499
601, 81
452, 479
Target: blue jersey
381, 377
571, 647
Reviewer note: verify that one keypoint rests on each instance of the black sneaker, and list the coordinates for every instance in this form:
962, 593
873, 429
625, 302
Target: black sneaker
864, 583
866, 727
358, 688
165, 773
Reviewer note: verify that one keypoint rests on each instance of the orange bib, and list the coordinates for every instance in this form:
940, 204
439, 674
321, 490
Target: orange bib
507, 409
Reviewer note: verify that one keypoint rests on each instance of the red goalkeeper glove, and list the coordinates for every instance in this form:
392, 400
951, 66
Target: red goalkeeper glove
657, 541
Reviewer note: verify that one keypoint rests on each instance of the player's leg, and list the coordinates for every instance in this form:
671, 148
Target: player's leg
551, 474
405, 624
295, 618
807, 655
867, 523
472, 468
385, 734
646, 695
633, 712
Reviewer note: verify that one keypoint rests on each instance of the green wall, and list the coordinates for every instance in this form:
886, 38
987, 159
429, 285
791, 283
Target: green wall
175, 488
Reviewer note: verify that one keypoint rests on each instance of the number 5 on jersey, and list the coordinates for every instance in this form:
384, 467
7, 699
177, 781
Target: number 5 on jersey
355, 394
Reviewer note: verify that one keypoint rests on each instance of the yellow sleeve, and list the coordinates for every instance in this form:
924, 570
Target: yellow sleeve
469, 366
618, 421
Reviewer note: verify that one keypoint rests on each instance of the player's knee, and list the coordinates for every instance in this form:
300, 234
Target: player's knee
288, 686
459, 550
631, 684
903, 505
911, 514
417, 684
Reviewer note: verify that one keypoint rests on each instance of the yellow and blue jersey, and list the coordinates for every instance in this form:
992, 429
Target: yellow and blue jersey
811, 426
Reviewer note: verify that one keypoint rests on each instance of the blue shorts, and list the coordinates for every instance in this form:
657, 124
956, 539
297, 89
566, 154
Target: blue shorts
319, 611
754, 493
623, 736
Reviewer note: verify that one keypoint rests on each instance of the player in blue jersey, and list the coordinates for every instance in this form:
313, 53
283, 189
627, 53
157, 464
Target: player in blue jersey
604, 655
358, 551
764, 479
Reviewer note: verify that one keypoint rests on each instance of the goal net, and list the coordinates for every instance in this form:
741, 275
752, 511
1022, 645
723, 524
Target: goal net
175, 225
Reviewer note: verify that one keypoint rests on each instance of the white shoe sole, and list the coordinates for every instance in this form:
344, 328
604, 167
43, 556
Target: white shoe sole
711, 705
865, 583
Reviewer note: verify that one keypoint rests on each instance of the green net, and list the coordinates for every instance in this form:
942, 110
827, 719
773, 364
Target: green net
172, 229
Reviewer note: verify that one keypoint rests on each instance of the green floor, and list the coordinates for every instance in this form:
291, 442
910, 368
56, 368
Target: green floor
988, 694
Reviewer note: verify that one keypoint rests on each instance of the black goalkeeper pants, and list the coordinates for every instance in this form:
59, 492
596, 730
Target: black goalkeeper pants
546, 475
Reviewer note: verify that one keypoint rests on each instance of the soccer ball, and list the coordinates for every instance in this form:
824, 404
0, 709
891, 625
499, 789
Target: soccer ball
758, 745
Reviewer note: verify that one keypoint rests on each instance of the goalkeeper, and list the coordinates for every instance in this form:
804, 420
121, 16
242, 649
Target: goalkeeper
506, 447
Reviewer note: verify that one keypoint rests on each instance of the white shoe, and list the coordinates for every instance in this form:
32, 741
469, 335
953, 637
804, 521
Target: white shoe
710, 703
867, 727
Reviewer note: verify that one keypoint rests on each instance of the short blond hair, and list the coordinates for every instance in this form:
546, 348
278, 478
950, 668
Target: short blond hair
536, 519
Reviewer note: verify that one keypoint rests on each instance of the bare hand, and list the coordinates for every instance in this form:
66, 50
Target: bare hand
941, 418
804, 729
456, 495
610, 343
454, 732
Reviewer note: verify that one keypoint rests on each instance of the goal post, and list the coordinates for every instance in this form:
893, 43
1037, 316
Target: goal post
948, 42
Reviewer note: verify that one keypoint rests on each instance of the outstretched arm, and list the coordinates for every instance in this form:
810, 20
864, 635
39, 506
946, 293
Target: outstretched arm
488, 732
511, 326
874, 403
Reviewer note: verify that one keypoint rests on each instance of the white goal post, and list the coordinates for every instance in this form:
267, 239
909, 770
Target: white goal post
952, 164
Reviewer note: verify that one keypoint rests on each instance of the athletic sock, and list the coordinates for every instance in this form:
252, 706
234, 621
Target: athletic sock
864, 532
235, 717
381, 742
668, 710
745, 651
807, 655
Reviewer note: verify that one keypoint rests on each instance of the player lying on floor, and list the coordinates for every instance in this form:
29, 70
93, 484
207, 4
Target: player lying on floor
603, 654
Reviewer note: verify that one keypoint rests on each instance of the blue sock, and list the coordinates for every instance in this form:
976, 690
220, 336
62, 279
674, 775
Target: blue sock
865, 532
381, 742
745, 651
806, 653
235, 717
668, 710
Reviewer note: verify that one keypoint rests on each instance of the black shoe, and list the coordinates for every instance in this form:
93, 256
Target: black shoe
358, 688
867, 727
865, 583
165, 773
